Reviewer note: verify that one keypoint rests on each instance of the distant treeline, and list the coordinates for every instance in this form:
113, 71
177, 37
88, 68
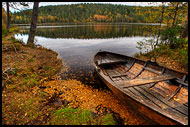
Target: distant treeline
84, 13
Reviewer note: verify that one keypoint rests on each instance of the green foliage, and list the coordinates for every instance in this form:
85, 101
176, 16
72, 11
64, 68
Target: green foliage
47, 68
147, 44
162, 49
30, 82
109, 120
13, 72
184, 55
170, 36
83, 13
13, 39
70, 116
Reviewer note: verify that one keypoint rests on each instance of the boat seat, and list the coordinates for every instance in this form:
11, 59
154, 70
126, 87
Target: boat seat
111, 63
143, 81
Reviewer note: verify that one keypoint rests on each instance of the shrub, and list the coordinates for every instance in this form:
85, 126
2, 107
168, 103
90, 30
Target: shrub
184, 55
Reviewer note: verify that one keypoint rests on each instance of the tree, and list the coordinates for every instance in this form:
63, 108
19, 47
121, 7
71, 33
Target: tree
161, 21
33, 24
185, 31
8, 16
15, 6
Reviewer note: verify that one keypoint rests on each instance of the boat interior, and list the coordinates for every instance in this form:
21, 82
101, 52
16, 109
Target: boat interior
163, 88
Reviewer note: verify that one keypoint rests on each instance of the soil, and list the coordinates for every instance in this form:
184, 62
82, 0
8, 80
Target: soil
167, 61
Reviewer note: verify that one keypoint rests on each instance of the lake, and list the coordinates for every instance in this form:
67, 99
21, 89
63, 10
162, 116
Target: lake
78, 43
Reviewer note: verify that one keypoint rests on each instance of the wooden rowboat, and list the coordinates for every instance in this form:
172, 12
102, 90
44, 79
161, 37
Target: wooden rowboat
156, 92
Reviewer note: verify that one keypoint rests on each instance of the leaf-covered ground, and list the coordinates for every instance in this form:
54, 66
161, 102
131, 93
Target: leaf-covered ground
74, 94
166, 61
32, 95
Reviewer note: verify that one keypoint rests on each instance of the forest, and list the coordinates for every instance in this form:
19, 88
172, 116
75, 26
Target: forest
87, 13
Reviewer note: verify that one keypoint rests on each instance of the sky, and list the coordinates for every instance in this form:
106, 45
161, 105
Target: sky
67, 3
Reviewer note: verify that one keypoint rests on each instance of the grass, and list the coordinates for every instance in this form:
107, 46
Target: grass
70, 116
20, 105
21, 109
109, 120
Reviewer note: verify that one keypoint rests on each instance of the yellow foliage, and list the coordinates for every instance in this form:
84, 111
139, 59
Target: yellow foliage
4, 16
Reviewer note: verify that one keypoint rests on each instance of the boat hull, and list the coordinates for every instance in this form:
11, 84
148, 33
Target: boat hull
150, 111
150, 115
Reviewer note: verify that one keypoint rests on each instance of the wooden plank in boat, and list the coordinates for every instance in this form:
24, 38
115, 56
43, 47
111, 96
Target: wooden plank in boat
111, 63
156, 98
175, 110
110, 72
163, 103
117, 72
152, 98
141, 97
171, 103
182, 109
142, 81
182, 82
172, 112
186, 104
151, 70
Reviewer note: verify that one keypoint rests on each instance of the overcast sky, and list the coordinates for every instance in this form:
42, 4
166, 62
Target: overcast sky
67, 3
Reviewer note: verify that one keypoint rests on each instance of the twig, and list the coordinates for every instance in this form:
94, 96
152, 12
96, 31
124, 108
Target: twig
14, 48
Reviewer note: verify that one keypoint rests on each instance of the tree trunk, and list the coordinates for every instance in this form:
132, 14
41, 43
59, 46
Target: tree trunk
161, 19
8, 16
175, 14
185, 31
33, 24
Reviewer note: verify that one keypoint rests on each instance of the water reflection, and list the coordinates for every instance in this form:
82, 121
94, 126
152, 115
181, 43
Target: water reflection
101, 31
77, 44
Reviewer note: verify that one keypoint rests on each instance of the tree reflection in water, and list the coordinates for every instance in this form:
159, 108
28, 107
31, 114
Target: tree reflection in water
77, 43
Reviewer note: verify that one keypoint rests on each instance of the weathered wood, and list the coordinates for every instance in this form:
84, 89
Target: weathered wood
140, 71
158, 99
111, 63
151, 70
130, 66
181, 82
143, 81
178, 89
186, 104
151, 102
164, 100
163, 71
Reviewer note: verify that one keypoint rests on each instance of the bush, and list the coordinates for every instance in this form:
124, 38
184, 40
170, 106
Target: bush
184, 55
169, 36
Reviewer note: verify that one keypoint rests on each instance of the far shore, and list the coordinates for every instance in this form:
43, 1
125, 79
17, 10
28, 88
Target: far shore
94, 23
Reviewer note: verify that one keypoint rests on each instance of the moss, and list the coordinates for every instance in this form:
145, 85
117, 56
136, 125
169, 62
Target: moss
22, 110
109, 120
70, 116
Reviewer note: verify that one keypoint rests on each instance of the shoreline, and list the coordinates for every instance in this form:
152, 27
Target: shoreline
34, 92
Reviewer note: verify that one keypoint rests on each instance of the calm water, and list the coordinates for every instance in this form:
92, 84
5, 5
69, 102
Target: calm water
78, 43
